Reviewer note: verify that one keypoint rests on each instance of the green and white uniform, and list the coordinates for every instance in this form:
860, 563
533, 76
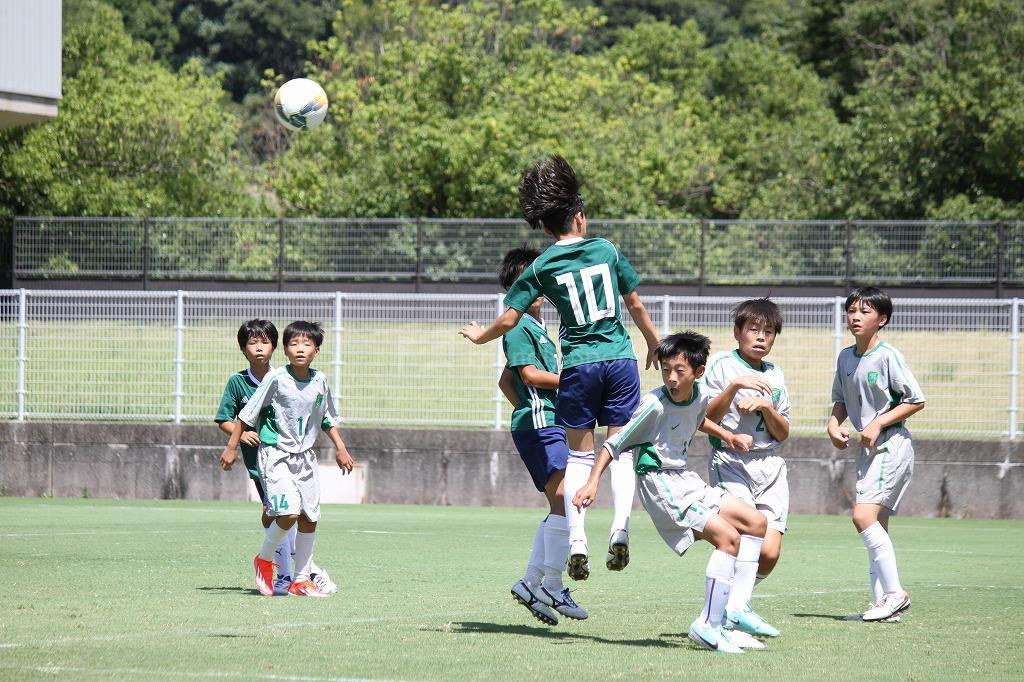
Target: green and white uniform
288, 414
870, 385
659, 434
237, 392
757, 477
526, 344
583, 279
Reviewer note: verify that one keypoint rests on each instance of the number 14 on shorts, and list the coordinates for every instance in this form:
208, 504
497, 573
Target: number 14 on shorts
278, 503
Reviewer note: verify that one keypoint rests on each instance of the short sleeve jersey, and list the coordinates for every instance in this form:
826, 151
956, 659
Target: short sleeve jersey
287, 411
873, 383
660, 430
723, 368
583, 279
529, 344
237, 391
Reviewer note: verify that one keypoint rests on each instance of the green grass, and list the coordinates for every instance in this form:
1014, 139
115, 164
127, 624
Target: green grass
100, 590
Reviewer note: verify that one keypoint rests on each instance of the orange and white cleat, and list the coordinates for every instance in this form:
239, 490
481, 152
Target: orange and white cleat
264, 576
305, 588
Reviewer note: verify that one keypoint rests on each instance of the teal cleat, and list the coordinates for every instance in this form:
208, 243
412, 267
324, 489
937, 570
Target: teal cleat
715, 639
749, 622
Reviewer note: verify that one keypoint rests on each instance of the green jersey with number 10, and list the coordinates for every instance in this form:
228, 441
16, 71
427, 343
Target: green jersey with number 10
583, 279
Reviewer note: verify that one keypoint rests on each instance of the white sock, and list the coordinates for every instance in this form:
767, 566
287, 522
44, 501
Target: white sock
718, 582
623, 488
876, 584
535, 566
745, 573
272, 536
303, 554
283, 553
577, 471
556, 551
883, 557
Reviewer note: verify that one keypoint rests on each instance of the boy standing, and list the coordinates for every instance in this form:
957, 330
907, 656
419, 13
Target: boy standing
679, 503
874, 388
600, 382
531, 383
287, 408
748, 395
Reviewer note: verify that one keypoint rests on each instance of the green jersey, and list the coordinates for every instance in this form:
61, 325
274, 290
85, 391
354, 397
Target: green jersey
583, 279
237, 392
529, 344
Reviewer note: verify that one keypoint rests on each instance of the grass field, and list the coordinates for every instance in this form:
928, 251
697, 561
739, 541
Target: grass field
100, 590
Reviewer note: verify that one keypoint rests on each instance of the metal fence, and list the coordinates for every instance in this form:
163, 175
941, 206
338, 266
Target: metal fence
396, 360
700, 252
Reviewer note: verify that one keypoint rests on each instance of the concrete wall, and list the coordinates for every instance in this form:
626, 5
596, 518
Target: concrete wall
964, 479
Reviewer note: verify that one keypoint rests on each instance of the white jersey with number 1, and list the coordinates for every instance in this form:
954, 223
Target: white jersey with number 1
289, 412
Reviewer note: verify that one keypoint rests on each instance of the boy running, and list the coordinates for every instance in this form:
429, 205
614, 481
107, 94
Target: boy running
679, 503
874, 388
286, 409
530, 382
748, 395
600, 382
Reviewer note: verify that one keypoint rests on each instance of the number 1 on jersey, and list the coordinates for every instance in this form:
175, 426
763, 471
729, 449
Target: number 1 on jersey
587, 275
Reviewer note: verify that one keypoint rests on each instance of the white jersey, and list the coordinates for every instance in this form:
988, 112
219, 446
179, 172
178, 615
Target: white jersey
723, 368
288, 413
873, 383
660, 430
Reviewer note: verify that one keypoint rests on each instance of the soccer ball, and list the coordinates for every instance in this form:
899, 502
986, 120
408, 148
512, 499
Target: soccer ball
300, 104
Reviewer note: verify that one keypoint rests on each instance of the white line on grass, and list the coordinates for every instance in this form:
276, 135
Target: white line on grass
206, 674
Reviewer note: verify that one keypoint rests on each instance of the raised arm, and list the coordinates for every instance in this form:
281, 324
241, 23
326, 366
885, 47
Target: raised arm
481, 335
638, 312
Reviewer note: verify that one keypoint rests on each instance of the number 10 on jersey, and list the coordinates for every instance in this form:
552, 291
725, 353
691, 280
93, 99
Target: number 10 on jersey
587, 276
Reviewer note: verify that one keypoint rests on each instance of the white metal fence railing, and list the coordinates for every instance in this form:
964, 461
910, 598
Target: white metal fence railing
396, 359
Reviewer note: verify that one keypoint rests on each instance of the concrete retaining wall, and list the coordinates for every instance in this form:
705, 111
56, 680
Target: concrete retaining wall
965, 479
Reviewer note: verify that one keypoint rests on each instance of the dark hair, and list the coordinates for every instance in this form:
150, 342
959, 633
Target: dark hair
301, 329
549, 194
514, 262
762, 310
257, 329
691, 345
874, 297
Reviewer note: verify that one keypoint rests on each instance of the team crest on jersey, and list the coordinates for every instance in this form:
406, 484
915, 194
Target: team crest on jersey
872, 377
319, 399
776, 394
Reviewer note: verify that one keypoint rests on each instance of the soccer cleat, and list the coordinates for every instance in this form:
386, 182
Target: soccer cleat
323, 582
305, 588
563, 603
715, 639
618, 550
522, 593
887, 607
264, 576
749, 622
578, 565
282, 584
744, 640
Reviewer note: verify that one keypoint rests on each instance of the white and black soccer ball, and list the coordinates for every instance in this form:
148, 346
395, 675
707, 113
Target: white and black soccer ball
300, 104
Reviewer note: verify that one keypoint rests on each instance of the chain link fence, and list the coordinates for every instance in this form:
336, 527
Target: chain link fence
712, 252
396, 360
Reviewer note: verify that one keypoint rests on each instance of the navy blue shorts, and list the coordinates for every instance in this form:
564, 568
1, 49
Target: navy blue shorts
603, 392
543, 451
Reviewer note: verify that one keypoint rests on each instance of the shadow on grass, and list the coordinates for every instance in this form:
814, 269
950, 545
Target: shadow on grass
544, 633
853, 617
245, 590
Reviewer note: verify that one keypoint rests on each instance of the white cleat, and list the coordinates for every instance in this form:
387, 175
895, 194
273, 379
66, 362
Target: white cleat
563, 603
618, 550
889, 606
523, 593
323, 582
715, 639
744, 640
578, 564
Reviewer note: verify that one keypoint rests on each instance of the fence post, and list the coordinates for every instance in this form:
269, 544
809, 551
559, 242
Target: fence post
179, 354
22, 350
848, 253
837, 327
337, 351
499, 366
419, 253
666, 310
1014, 372
1000, 257
703, 248
280, 254
145, 253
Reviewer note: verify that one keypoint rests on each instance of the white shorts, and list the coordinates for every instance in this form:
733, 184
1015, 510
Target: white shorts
678, 502
290, 481
757, 478
884, 471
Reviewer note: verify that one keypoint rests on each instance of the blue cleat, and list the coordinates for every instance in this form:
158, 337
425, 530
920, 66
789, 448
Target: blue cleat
749, 622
